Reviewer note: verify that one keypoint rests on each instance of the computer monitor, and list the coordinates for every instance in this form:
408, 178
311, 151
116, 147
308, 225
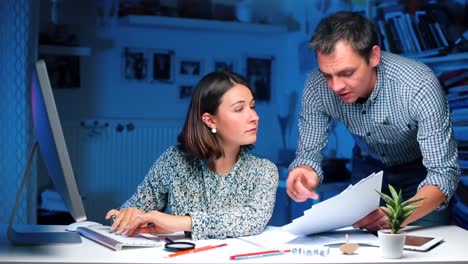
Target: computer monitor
51, 142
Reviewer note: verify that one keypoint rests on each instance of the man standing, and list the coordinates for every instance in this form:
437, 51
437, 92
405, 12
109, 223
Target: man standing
394, 108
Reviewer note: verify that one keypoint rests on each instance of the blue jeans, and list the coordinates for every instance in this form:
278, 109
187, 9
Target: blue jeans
405, 177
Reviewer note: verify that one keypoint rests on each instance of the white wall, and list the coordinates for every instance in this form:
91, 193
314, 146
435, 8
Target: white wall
105, 94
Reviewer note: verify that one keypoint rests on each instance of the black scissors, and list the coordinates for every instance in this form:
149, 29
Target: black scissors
174, 246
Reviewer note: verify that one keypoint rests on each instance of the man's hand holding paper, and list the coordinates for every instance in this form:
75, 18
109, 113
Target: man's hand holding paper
342, 210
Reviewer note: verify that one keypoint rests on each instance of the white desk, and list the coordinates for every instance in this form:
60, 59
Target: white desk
453, 250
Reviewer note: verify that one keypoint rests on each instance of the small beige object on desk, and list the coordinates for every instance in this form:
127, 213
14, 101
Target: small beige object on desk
349, 248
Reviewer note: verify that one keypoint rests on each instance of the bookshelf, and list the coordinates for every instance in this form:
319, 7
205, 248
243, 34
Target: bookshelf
427, 32
417, 29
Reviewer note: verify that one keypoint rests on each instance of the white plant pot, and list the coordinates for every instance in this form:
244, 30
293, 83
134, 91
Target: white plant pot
391, 245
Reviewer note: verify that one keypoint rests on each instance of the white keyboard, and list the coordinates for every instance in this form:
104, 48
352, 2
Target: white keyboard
101, 235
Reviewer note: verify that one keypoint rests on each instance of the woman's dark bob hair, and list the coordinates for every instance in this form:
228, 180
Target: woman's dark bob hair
196, 138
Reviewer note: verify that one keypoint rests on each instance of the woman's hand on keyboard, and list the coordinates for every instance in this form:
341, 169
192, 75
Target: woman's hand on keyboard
122, 218
160, 223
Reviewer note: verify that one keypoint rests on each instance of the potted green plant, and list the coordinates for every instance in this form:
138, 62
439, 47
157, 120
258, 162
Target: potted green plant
397, 211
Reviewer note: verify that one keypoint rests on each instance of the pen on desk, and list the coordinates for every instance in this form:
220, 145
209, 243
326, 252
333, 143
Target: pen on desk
259, 254
195, 250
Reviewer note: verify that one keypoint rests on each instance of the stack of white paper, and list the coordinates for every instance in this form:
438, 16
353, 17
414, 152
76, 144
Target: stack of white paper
341, 210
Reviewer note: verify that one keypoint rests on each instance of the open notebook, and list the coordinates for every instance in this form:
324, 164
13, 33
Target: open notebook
102, 235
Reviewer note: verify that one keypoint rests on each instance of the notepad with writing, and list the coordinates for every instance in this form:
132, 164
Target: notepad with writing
102, 235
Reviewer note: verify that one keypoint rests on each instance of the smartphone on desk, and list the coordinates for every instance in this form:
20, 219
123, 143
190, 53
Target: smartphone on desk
421, 243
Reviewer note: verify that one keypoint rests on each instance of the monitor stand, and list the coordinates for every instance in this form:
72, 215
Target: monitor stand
36, 234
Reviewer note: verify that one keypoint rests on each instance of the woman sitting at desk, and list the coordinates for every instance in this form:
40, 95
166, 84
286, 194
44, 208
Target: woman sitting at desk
207, 184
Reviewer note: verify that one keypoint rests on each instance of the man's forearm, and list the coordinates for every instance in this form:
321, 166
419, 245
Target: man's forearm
433, 198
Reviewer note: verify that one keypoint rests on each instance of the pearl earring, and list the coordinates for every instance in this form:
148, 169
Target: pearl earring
213, 130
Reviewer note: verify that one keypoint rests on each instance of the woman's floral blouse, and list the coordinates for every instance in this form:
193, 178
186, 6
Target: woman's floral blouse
239, 203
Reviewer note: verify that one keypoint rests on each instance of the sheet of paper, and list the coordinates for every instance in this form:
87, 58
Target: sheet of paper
336, 237
278, 238
271, 238
341, 210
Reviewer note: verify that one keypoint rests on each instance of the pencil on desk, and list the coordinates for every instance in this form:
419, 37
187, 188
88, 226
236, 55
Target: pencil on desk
260, 254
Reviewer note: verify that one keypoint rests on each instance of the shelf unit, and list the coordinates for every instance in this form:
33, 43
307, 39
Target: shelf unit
201, 24
65, 50
451, 70
417, 34
446, 58
447, 63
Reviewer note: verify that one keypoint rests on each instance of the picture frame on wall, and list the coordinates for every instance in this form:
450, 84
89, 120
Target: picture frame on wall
63, 70
190, 67
224, 65
259, 76
162, 65
135, 64
185, 91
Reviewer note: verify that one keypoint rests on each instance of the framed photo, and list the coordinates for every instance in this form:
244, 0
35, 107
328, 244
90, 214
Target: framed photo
185, 91
162, 65
63, 70
190, 67
259, 76
224, 65
135, 64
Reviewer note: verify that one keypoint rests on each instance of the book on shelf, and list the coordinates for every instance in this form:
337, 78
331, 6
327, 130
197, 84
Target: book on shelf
458, 104
394, 38
463, 164
460, 123
422, 38
459, 116
385, 42
455, 82
404, 33
461, 133
452, 97
463, 82
458, 89
459, 78
457, 97
461, 113
412, 32
441, 34
427, 53
423, 28
462, 144
463, 153
461, 193
442, 20
445, 76
431, 29
396, 29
